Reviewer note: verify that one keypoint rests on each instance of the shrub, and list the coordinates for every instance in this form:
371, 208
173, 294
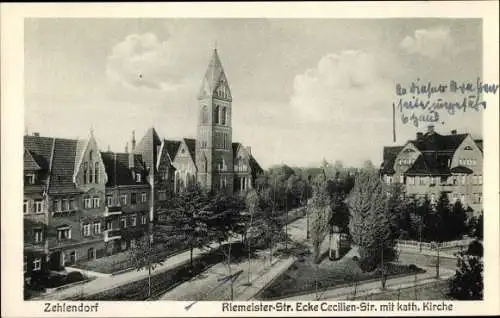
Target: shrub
74, 277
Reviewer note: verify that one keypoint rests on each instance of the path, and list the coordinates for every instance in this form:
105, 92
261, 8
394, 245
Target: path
206, 286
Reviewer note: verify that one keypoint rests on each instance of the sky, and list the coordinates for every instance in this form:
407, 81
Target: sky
303, 90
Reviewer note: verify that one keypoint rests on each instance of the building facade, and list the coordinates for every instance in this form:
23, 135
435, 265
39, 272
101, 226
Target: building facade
433, 163
81, 203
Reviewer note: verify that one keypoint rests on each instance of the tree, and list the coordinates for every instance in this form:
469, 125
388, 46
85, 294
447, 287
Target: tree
145, 255
226, 221
368, 166
396, 209
431, 216
188, 216
458, 220
369, 225
252, 206
321, 214
467, 284
476, 227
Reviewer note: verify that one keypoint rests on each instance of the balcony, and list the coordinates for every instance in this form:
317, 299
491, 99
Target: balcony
112, 234
34, 246
112, 210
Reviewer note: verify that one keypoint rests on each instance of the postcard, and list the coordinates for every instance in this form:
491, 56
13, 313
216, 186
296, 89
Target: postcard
247, 159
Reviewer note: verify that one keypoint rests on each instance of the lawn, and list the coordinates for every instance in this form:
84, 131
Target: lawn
306, 277
431, 291
122, 261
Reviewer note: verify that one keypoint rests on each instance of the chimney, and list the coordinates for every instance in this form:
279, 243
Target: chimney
133, 140
109, 148
36, 134
131, 158
454, 132
419, 135
430, 128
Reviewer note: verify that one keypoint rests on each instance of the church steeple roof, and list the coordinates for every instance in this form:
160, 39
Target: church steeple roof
213, 76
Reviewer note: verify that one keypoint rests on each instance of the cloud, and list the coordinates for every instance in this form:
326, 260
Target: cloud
346, 87
431, 43
142, 60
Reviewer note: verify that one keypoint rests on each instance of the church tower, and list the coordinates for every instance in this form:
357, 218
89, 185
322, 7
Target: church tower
214, 151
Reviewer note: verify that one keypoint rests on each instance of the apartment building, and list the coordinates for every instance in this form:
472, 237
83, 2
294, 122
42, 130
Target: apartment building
433, 163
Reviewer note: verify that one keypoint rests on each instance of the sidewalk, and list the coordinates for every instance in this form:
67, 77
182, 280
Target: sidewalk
104, 283
207, 286
346, 292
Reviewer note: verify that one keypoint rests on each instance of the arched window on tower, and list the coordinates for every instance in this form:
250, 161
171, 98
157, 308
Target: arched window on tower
204, 114
96, 172
224, 115
85, 172
216, 114
90, 155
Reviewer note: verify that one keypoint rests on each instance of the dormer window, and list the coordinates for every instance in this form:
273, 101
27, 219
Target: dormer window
29, 178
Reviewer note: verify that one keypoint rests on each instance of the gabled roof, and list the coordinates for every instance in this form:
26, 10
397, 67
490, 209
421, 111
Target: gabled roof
430, 163
254, 165
435, 142
213, 76
389, 156
148, 147
172, 146
236, 146
191, 145
30, 163
63, 166
117, 168
479, 143
40, 148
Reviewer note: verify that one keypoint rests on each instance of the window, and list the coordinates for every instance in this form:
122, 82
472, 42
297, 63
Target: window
97, 227
38, 206
109, 225
109, 200
402, 179
96, 202
91, 155
133, 221
224, 114
37, 264
133, 198
138, 177
123, 199
454, 180
410, 180
216, 114
85, 172
91, 174
417, 180
29, 178
123, 223
423, 180
480, 179
65, 204
464, 179
87, 203
204, 114
86, 229
25, 264
433, 198
143, 219
38, 233
72, 205
25, 206
144, 197
64, 233
96, 172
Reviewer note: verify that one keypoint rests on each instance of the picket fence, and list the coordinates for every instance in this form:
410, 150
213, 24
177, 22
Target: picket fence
430, 246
